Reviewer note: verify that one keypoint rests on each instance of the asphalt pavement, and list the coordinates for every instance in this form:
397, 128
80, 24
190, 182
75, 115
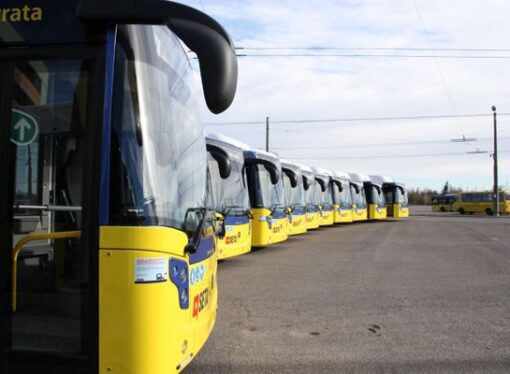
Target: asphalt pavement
427, 294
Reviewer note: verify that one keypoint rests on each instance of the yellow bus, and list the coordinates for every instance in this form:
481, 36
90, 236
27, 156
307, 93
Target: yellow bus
267, 197
397, 202
294, 197
230, 195
108, 257
359, 200
443, 202
481, 202
375, 198
311, 198
323, 186
342, 200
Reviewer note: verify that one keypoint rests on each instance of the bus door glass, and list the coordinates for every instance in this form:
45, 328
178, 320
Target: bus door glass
47, 268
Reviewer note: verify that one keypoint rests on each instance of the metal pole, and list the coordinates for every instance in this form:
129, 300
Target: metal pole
267, 134
495, 156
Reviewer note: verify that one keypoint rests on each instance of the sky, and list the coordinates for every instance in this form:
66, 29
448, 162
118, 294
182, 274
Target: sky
417, 152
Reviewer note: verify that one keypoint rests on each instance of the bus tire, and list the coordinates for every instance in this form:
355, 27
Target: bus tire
462, 211
442, 209
488, 211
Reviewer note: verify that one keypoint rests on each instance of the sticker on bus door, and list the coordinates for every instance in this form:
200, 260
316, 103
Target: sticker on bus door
150, 270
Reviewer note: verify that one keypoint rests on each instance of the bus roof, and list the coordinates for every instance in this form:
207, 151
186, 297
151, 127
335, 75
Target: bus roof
257, 154
219, 140
380, 179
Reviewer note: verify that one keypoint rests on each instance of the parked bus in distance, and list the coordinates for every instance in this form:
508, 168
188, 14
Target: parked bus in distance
230, 195
294, 197
311, 198
342, 200
481, 202
397, 202
108, 258
267, 197
443, 202
375, 198
359, 200
323, 186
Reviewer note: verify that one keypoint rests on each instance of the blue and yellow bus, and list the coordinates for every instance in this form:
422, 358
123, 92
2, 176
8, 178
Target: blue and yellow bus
359, 200
342, 200
267, 197
108, 257
325, 197
230, 195
311, 198
294, 197
395, 194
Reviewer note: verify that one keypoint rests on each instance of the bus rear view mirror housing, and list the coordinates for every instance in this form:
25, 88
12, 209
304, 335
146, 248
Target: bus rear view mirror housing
292, 178
306, 183
202, 34
222, 159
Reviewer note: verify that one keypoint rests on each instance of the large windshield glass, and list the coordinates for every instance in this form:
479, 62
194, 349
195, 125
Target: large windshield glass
230, 195
324, 195
376, 196
294, 196
263, 193
159, 164
311, 196
401, 196
358, 196
343, 197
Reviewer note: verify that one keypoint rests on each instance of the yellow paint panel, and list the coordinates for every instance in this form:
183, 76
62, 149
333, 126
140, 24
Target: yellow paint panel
236, 242
298, 224
312, 220
152, 238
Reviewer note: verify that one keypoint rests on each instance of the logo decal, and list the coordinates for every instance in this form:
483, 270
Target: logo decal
200, 301
197, 274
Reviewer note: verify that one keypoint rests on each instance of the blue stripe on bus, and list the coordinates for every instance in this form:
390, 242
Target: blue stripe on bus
104, 191
298, 211
205, 249
278, 215
237, 220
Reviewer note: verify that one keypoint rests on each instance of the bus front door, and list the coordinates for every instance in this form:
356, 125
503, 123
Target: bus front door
48, 229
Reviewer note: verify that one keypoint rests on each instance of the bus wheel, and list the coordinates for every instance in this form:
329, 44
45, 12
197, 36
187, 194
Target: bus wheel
488, 211
461, 211
442, 209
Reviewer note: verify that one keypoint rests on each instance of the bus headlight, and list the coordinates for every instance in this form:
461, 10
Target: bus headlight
179, 277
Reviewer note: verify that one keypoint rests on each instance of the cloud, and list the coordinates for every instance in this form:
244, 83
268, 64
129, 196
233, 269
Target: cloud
334, 87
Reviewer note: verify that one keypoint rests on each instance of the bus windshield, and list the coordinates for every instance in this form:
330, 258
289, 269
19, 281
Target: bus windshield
324, 196
230, 194
159, 166
358, 197
294, 196
311, 195
377, 197
263, 193
342, 198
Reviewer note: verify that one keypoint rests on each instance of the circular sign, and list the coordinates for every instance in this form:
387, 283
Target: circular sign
24, 128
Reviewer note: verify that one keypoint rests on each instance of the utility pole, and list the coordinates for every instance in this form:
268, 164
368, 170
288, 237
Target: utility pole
267, 134
495, 157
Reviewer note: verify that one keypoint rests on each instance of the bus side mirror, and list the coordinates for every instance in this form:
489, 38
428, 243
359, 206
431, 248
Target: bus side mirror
292, 178
273, 173
222, 159
306, 183
202, 34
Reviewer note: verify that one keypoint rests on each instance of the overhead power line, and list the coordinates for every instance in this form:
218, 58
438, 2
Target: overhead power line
363, 55
283, 48
416, 155
354, 119
395, 144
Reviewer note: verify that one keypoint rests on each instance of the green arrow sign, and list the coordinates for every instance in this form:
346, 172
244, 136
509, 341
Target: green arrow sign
24, 128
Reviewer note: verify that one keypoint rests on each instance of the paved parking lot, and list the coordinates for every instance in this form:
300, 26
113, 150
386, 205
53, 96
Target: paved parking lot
430, 294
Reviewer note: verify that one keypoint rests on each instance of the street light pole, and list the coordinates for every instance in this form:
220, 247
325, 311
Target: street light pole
267, 134
495, 157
